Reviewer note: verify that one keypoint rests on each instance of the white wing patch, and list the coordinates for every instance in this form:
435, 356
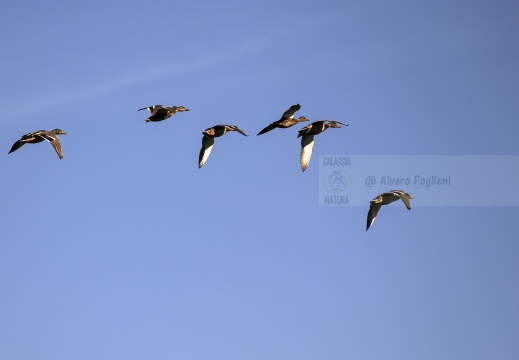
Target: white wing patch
46, 137
290, 112
307, 144
372, 215
153, 109
207, 147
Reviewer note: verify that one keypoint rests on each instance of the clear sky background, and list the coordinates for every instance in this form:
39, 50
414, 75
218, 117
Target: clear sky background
124, 249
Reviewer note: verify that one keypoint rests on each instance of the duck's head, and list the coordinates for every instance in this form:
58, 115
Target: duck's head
332, 124
59, 132
301, 119
182, 108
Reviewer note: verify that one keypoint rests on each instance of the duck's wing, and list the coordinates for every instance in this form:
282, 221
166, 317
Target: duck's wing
17, 145
372, 214
307, 144
207, 147
391, 196
54, 141
267, 129
162, 112
25, 139
57, 146
290, 112
152, 109
405, 198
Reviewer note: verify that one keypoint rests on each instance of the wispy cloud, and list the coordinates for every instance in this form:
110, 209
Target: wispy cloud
58, 97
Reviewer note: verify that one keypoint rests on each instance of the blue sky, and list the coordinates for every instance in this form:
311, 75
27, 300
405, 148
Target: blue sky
124, 249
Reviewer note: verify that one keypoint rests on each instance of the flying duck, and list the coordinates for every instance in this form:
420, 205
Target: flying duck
287, 120
384, 199
307, 138
39, 136
159, 112
208, 140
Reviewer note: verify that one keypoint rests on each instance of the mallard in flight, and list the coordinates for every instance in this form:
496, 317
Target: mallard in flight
39, 136
287, 120
307, 138
208, 140
384, 199
159, 113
